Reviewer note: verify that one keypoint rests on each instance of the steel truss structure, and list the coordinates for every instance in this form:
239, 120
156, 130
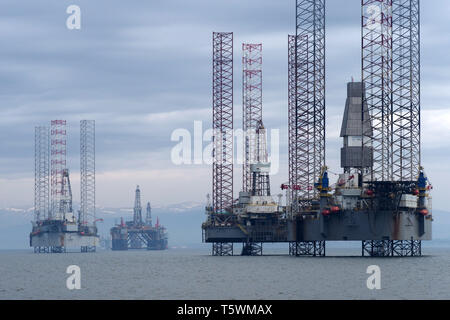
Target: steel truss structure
377, 77
58, 167
307, 100
222, 195
87, 171
308, 248
261, 177
392, 248
292, 122
138, 239
252, 107
252, 249
406, 135
391, 74
41, 173
222, 249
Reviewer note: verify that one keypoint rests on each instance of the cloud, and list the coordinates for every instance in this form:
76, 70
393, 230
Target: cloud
143, 69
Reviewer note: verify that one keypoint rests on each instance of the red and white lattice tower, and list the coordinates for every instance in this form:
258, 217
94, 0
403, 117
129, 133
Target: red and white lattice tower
252, 107
58, 167
222, 122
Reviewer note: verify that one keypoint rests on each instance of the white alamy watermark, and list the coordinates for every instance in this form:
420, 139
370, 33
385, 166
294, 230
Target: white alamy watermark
374, 281
73, 22
198, 146
73, 282
377, 17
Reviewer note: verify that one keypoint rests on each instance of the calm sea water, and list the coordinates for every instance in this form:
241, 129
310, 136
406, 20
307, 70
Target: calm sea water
194, 274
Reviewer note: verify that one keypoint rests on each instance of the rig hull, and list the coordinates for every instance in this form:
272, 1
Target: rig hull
58, 236
63, 239
345, 226
361, 226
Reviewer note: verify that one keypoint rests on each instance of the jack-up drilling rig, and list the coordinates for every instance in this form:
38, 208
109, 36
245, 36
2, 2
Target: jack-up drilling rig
382, 197
255, 217
56, 228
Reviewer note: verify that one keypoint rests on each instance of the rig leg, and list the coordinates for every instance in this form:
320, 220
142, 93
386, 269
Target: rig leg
57, 249
88, 248
293, 248
252, 249
307, 248
222, 249
407, 248
41, 249
377, 248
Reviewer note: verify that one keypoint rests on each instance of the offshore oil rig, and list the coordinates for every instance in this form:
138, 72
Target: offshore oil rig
381, 198
56, 227
139, 234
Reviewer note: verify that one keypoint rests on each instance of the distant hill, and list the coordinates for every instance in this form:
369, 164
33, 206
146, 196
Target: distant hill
183, 223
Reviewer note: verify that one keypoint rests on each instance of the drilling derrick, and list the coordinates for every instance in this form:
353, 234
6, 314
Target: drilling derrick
136, 239
42, 174
307, 102
65, 205
261, 168
137, 211
252, 107
148, 216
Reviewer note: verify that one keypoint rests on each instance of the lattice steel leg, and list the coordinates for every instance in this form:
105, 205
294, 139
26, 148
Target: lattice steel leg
252, 249
292, 248
308, 248
377, 248
222, 249
58, 249
407, 248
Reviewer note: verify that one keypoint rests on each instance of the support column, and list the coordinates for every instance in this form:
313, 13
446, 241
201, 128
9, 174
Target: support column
222, 249
252, 249
308, 248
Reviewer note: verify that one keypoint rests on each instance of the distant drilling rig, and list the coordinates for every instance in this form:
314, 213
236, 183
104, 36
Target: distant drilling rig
56, 228
381, 198
139, 234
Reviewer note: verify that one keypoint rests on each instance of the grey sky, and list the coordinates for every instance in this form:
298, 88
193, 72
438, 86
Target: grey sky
143, 68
